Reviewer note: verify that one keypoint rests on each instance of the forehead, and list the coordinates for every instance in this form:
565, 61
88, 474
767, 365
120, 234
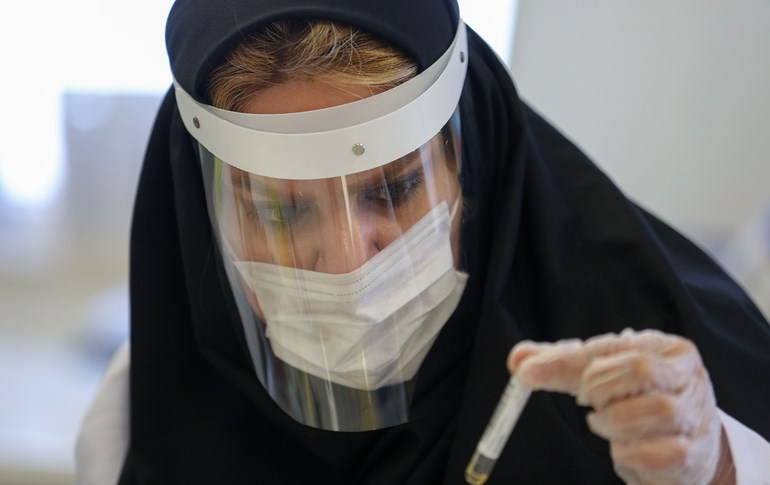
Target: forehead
297, 96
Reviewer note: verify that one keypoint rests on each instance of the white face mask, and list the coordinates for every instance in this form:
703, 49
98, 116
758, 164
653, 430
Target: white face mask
371, 327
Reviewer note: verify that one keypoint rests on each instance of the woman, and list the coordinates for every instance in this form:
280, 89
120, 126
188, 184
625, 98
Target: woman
347, 218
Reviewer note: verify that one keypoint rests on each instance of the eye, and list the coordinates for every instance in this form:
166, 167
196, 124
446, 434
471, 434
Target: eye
396, 193
278, 216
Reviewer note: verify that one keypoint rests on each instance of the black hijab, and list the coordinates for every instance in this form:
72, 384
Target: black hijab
554, 251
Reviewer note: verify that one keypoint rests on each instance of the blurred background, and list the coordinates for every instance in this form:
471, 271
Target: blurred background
670, 99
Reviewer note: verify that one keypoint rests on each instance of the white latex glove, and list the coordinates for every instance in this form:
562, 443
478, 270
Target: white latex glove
652, 400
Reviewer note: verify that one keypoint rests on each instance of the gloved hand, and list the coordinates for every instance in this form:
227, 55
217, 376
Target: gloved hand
652, 399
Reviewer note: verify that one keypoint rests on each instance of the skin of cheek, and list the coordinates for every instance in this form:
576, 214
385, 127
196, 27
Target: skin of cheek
447, 182
250, 296
455, 235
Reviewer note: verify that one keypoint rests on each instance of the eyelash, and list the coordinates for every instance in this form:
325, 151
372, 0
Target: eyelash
277, 217
396, 193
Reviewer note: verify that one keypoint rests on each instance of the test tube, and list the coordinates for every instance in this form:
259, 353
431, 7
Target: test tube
507, 412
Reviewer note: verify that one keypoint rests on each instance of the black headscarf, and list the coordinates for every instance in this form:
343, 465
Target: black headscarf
553, 248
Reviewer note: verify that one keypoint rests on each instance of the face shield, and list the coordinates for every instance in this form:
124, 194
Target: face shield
339, 236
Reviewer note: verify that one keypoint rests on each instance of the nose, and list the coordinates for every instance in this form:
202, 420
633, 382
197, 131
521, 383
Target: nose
351, 238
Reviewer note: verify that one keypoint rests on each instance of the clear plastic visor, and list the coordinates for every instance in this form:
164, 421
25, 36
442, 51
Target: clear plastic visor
343, 283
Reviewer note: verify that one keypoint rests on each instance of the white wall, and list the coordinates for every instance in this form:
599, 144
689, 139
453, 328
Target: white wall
80, 86
494, 20
671, 98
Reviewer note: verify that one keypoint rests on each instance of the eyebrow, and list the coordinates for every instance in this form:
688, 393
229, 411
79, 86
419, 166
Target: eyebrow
389, 173
400, 165
243, 180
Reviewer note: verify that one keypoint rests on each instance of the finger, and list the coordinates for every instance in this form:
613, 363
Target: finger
666, 460
523, 350
643, 417
670, 460
556, 367
652, 454
633, 372
527, 348
651, 340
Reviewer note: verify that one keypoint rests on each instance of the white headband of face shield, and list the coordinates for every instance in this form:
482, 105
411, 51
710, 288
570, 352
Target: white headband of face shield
369, 328
335, 141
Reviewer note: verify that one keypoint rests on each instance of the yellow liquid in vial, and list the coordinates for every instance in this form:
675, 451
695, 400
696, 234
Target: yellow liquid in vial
507, 412
478, 469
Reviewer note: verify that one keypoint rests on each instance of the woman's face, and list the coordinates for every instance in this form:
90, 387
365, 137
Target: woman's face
332, 225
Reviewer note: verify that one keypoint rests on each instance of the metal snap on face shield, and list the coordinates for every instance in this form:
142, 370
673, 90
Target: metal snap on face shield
338, 232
